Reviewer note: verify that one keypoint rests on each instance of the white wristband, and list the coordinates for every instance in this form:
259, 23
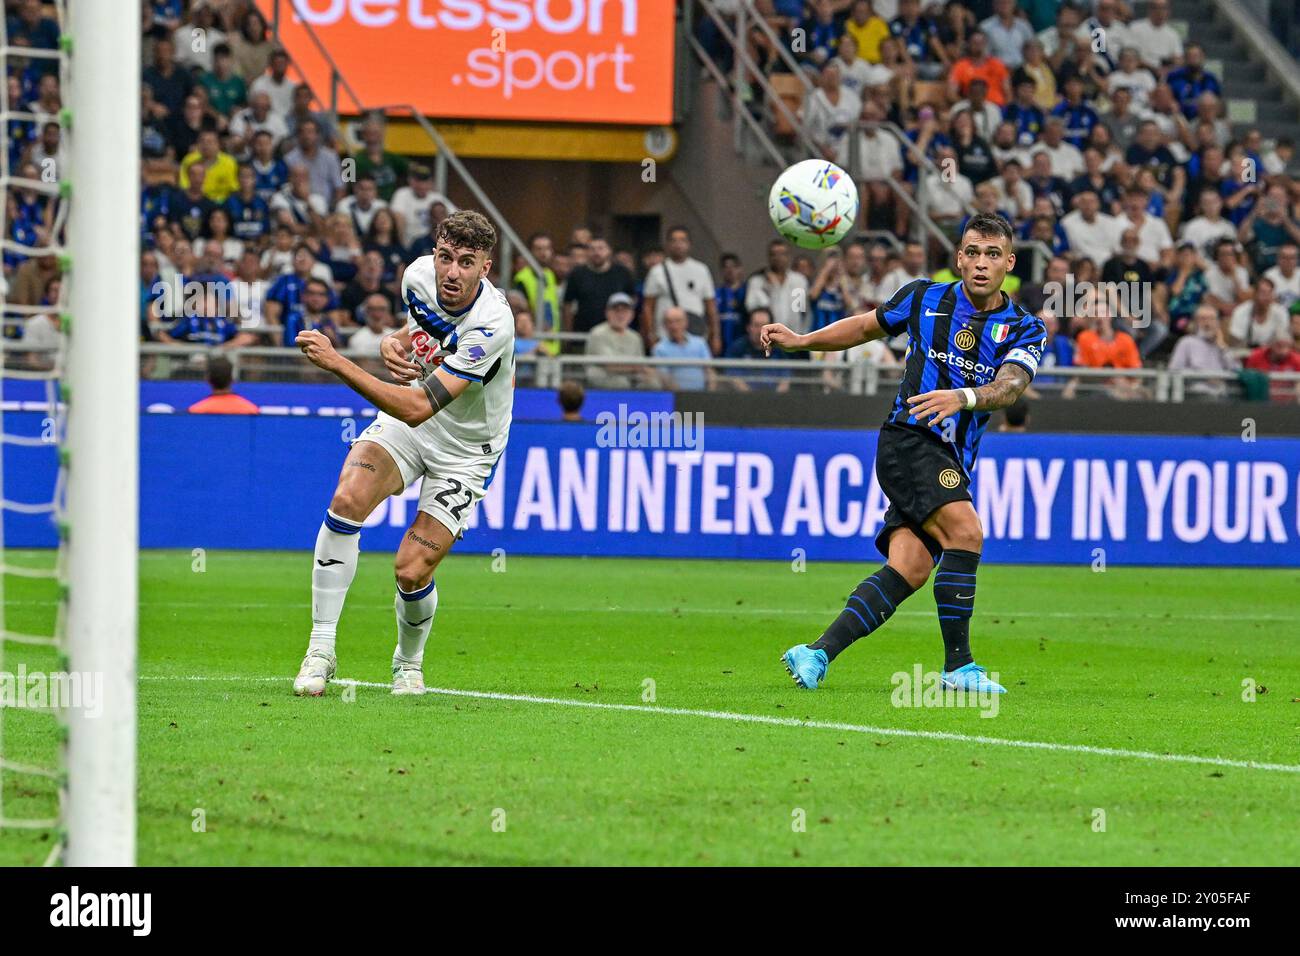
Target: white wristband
970, 398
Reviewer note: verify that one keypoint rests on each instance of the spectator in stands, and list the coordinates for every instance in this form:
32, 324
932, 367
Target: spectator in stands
287, 290
222, 400
856, 74
974, 156
1023, 112
192, 205
221, 171
1059, 40
571, 395
208, 326
302, 112
1106, 25
749, 346
867, 30
589, 287
31, 27
821, 31
217, 237
1078, 117
779, 289
250, 47
1285, 276
1132, 75
1203, 349
226, 90
1066, 158
383, 239
985, 117
1227, 283
362, 205
828, 114
678, 343
1278, 159
1058, 349
827, 290
1186, 286
1208, 122
1092, 232
1258, 320
683, 282
413, 203
947, 194
542, 292
920, 40
979, 64
526, 340
320, 160
388, 169
271, 172
1155, 37
1101, 345
256, 116
879, 159
276, 83
1279, 355
1155, 244
1210, 226
311, 311
247, 289
1268, 226
730, 299
1189, 81
170, 82
368, 282
613, 338
1007, 31
1148, 150
196, 39
297, 207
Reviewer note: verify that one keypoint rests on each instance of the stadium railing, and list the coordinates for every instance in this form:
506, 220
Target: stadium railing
539, 369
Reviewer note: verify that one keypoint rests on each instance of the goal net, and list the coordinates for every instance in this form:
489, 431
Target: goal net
68, 438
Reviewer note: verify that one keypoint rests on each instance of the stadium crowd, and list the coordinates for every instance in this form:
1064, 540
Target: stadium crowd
1115, 155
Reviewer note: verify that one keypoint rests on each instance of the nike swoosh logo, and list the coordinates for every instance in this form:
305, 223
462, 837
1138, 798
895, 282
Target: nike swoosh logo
488, 334
421, 623
931, 312
326, 564
962, 597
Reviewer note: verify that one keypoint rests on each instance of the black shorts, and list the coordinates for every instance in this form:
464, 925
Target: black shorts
919, 473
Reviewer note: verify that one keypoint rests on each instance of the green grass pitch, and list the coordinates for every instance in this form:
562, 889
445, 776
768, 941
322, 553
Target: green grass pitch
1132, 659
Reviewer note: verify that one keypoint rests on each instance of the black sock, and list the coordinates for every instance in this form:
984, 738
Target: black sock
868, 607
954, 594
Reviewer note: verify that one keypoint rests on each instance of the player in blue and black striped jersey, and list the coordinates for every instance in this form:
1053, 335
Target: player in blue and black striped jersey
970, 350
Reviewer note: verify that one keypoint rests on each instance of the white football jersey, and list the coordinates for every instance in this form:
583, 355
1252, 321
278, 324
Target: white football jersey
477, 343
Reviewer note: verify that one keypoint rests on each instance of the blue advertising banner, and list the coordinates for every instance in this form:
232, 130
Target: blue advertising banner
333, 399
660, 487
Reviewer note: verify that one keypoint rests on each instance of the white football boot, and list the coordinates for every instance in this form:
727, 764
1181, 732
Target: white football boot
317, 670
408, 678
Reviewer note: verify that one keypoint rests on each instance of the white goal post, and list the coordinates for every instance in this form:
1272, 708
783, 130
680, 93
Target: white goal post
101, 391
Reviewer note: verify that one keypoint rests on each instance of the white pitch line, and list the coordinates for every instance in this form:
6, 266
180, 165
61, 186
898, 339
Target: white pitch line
740, 610
793, 722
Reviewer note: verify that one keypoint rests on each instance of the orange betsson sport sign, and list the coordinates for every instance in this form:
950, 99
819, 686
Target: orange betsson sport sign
593, 61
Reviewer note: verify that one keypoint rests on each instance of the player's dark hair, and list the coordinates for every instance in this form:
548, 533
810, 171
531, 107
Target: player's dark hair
468, 229
220, 372
728, 257
673, 230
989, 225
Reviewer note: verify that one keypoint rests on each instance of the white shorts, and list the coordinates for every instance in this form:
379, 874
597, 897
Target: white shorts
454, 482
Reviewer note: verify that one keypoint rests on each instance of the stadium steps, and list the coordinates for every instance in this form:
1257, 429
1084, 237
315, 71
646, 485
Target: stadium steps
1253, 99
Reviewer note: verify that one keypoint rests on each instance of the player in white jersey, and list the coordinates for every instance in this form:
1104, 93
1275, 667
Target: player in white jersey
447, 421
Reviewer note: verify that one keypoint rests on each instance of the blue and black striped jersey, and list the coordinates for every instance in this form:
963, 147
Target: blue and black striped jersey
951, 344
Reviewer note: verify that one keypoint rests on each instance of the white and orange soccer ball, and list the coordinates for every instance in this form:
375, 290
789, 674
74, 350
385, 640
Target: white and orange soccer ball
813, 204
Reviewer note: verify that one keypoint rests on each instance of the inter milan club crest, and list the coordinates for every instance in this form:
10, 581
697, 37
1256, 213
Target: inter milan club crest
965, 340
1000, 331
949, 478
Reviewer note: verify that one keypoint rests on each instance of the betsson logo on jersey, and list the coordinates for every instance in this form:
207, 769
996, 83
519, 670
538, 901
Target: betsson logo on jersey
966, 365
600, 61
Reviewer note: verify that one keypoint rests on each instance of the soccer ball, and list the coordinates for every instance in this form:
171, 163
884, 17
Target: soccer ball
813, 204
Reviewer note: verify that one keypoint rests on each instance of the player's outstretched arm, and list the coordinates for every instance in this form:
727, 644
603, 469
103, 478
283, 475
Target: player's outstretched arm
1007, 386
409, 405
847, 332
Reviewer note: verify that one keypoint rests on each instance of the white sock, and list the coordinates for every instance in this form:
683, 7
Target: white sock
414, 622
338, 543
